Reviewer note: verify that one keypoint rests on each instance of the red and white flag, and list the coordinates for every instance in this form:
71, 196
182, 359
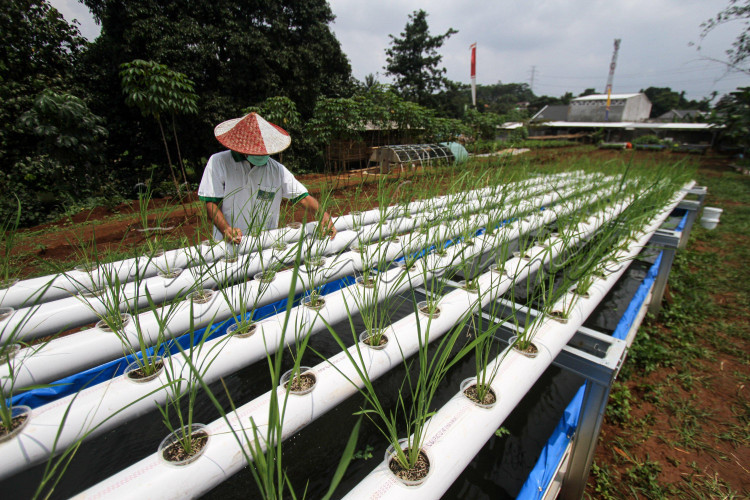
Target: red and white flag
474, 74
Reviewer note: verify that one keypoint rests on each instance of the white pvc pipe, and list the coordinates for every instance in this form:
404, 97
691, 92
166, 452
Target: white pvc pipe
53, 317
222, 456
460, 429
107, 405
73, 353
52, 287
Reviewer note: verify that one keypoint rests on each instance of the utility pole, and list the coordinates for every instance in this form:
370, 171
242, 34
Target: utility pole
533, 73
611, 77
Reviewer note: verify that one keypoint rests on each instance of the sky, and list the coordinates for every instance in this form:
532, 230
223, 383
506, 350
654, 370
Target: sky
566, 45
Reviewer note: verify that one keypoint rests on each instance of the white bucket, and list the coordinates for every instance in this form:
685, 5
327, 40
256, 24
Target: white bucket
710, 217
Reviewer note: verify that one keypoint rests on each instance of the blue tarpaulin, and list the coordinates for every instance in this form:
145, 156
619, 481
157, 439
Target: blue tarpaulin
542, 473
102, 373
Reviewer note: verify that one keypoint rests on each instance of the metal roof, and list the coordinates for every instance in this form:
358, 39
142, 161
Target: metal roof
634, 125
600, 97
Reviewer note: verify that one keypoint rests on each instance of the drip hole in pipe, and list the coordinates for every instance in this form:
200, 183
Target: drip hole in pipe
366, 281
265, 276
558, 316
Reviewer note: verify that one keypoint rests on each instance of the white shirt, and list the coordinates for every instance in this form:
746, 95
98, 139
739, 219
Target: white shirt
251, 195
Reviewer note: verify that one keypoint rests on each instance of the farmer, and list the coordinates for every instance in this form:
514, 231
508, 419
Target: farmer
243, 187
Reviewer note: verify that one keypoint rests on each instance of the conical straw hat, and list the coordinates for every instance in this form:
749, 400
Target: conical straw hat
252, 135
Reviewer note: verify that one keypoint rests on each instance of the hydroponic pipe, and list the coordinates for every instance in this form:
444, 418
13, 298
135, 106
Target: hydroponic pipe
52, 287
222, 456
72, 353
56, 316
460, 429
107, 405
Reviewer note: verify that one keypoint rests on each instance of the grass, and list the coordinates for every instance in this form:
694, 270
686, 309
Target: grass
687, 372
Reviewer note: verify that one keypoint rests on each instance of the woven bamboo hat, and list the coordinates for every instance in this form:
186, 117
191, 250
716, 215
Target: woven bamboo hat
252, 135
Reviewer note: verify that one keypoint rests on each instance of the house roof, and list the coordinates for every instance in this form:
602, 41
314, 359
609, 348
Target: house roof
603, 97
631, 125
556, 112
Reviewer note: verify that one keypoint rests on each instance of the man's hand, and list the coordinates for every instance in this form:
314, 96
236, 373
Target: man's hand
233, 234
326, 226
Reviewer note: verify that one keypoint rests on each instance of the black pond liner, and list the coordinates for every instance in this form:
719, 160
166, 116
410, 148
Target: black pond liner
311, 456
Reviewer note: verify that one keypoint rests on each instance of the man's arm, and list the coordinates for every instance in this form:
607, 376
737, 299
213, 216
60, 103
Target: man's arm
312, 207
215, 215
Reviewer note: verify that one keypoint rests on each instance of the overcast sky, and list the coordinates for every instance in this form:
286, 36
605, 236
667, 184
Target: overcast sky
569, 43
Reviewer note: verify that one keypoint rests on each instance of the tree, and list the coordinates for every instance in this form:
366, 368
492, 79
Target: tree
157, 90
739, 54
664, 99
414, 62
237, 55
38, 51
589, 91
733, 112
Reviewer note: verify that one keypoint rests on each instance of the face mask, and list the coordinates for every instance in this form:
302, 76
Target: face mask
258, 160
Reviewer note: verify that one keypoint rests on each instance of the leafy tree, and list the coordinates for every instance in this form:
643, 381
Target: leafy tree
589, 91
157, 90
38, 51
664, 99
739, 54
733, 112
237, 55
414, 61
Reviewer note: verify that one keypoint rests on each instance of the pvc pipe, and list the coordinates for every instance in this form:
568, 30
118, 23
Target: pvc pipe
53, 317
107, 405
460, 428
73, 353
52, 287
222, 457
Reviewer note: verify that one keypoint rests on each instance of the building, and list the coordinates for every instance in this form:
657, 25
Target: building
623, 108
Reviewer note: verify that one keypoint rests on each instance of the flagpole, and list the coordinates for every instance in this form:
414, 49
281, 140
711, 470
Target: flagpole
474, 74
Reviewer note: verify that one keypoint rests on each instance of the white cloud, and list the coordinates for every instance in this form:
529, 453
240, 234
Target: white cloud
569, 42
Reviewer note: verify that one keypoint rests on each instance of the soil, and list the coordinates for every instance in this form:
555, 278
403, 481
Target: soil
383, 340
301, 383
419, 471
202, 297
426, 311
176, 453
471, 393
530, 350
140, 373
15, 424
245, 331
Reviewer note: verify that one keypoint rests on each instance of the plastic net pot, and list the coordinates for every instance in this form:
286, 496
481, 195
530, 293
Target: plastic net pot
303, 384
425, 309
106, 327
423, 465
135, 373
531, 352
367, 339
6, 312
20, 415
241, 330
170, 447
467, 385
